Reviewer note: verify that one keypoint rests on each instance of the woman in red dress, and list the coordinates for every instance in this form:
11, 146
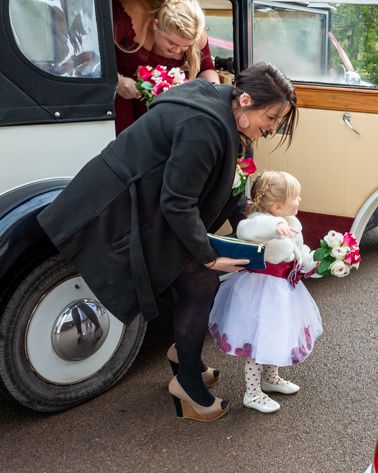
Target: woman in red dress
148, 33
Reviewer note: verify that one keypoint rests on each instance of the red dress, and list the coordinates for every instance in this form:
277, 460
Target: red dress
127, 111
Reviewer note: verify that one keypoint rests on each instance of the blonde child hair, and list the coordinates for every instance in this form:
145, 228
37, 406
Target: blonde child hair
272, 187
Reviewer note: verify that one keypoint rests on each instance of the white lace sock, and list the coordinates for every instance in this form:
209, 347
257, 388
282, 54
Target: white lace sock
271, 374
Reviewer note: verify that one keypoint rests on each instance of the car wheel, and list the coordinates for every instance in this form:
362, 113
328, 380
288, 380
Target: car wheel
59, 346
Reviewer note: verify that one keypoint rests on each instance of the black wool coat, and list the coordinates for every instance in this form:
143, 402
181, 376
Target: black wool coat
137, 213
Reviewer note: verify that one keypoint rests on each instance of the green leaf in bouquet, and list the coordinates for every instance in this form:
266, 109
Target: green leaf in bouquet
324, 244
321, 253
143, 86
147, 85
323, 267
238, 190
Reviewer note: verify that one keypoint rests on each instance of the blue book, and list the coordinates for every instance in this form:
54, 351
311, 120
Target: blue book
234, 248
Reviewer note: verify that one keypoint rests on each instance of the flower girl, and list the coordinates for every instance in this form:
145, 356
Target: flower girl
268, 316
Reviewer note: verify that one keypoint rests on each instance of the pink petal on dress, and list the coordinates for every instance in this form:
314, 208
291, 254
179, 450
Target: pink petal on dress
223, 345
245, 351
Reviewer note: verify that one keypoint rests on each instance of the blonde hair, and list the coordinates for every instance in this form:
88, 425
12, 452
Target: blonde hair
152, 6
182, 17
272, 187
186, 19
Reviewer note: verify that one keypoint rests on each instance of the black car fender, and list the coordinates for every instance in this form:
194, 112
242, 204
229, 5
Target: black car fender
19, 228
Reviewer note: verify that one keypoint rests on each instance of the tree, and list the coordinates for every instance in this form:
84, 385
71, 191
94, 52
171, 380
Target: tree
356, 29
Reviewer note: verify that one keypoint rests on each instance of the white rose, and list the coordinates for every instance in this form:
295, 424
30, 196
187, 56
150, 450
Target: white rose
237, 179
333, 239
340, 252
339, 269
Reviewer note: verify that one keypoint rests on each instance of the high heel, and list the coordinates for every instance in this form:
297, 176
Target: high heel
210, 376
186, 408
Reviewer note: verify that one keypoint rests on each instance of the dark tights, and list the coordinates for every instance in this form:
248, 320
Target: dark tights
194, 291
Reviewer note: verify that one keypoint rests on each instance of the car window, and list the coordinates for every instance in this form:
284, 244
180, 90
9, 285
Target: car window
58, 36
219, 28
319, 42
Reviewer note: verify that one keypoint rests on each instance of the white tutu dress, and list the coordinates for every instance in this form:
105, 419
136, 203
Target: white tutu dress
263, 316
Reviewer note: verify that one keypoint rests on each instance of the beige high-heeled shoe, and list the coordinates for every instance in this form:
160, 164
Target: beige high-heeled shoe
210, 376
186, 408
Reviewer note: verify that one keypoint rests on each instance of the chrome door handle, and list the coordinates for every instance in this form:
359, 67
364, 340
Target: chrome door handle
346, 120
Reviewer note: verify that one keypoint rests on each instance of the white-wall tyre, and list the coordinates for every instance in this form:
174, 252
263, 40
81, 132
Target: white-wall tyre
365, 216
41, 371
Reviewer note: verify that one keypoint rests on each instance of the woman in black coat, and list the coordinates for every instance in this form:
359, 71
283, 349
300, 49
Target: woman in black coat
134, 221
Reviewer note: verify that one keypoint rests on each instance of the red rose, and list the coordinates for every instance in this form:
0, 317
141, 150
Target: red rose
145, 73
247, 165
160, 87
353, 258
163, 72
349, 240
250, 167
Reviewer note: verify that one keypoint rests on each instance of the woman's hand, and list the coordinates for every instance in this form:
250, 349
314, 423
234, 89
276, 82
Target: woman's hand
126, 88
283, 229
229, 265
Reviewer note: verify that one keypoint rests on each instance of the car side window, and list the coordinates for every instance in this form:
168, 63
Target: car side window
59, 37
324, 43
219, 28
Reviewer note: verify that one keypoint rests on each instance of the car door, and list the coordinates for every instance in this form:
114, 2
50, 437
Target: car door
329, 51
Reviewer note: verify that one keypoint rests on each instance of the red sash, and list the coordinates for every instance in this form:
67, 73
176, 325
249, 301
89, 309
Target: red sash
285, 270
280, 270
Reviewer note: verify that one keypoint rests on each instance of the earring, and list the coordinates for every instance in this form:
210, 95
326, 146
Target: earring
243, 121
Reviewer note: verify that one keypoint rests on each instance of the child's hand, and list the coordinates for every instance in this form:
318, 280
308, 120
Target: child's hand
283, 229
229, 265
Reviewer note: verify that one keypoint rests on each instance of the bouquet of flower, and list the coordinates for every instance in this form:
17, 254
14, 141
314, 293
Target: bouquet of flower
337, 254
153, 81
244, 168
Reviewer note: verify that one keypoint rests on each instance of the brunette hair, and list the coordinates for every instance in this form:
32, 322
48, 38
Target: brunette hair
267, 86
272, 187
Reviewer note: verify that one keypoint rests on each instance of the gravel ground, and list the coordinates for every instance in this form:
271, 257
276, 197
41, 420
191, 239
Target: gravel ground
330, 426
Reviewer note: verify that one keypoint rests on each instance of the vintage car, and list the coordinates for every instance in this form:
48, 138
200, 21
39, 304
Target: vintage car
59, 346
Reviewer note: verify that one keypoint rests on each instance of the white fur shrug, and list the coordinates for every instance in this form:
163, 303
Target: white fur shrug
261, 228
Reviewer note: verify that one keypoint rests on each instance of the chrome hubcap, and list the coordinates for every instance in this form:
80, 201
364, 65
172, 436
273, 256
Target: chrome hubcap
80, 329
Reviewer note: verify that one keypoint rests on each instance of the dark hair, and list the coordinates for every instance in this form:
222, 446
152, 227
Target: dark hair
268, 85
